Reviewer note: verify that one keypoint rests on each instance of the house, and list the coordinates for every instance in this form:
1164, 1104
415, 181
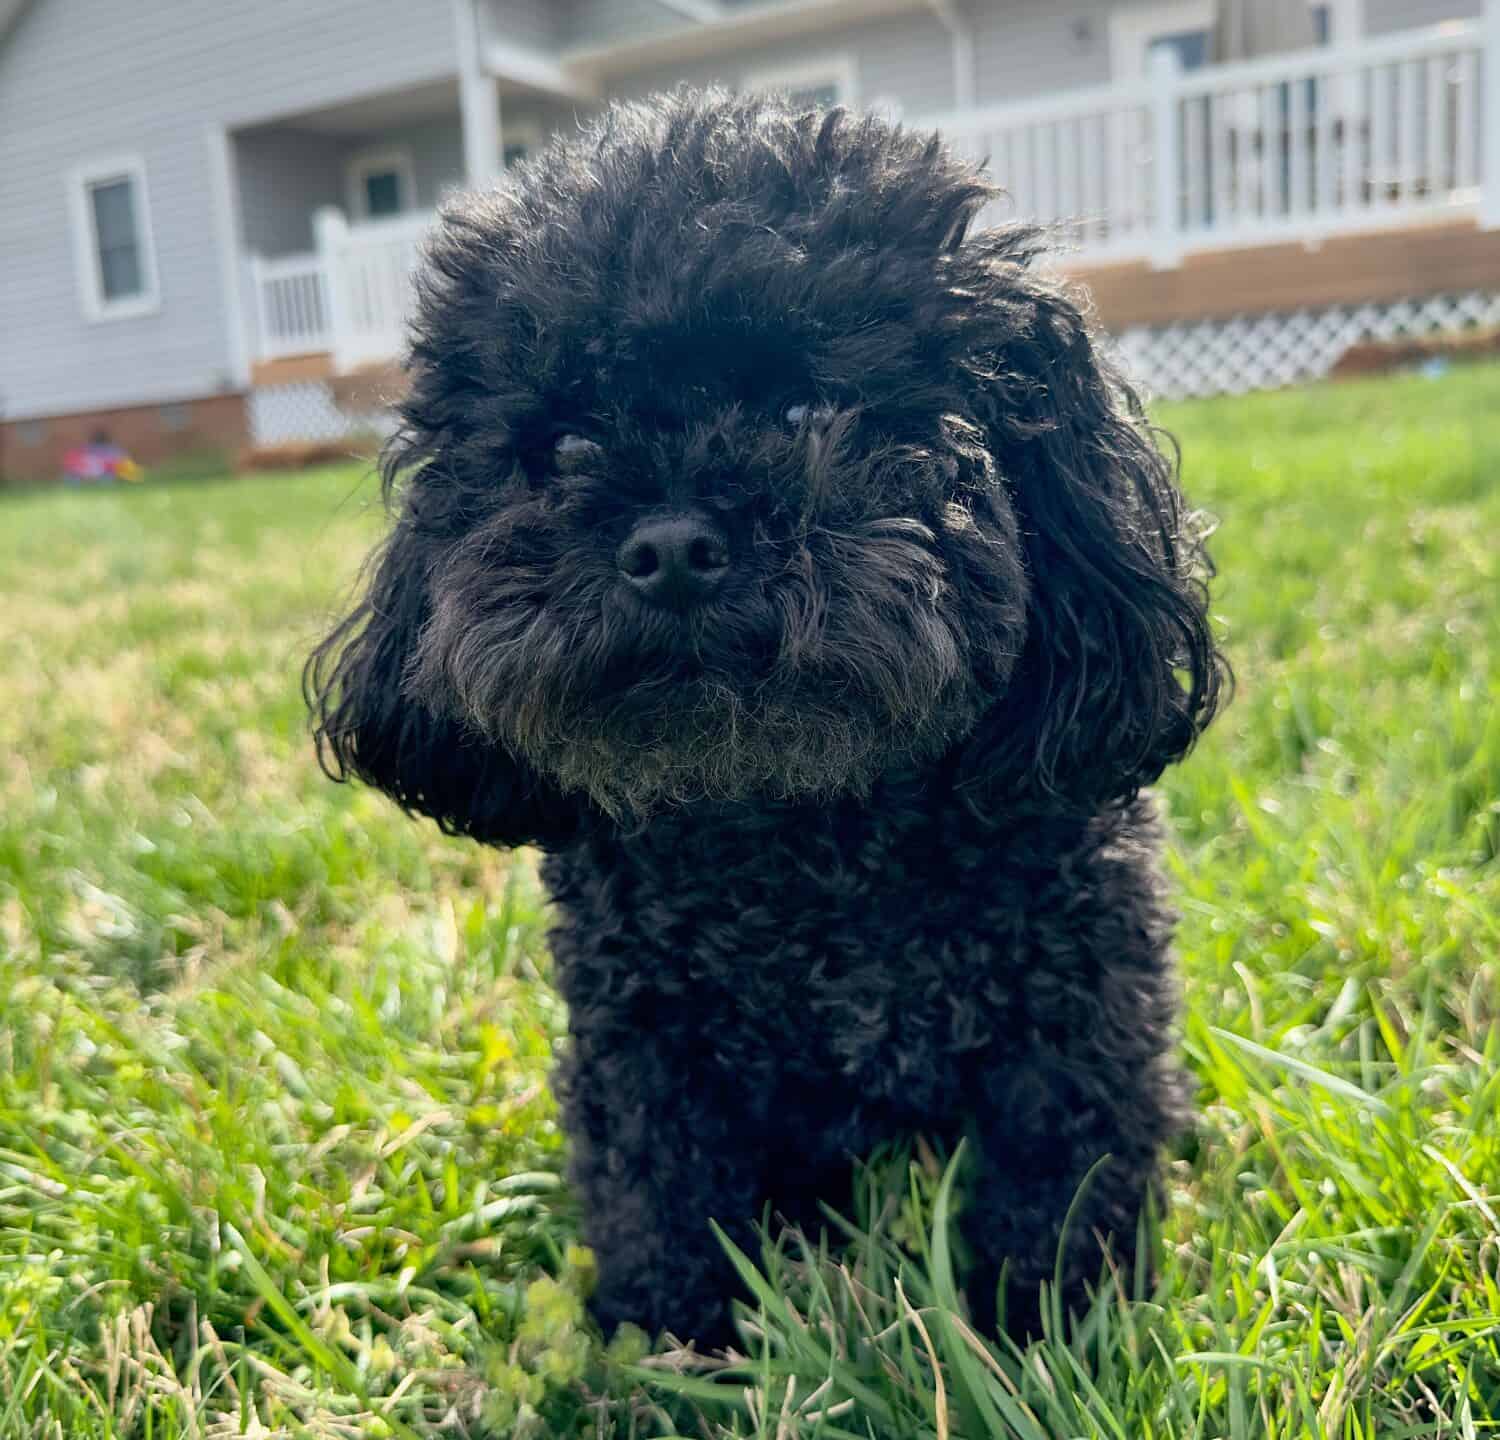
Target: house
210, 210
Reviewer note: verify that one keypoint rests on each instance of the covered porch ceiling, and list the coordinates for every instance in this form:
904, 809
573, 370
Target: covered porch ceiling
436, 100
432, 101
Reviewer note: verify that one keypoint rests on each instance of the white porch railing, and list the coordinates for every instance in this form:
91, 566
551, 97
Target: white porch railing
350, 297
369, 269
1386, 132
291, 306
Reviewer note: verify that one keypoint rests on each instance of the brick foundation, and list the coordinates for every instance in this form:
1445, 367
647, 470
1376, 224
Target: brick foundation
150, 434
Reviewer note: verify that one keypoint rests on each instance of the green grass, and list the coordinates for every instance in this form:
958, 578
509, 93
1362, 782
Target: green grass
277, 1155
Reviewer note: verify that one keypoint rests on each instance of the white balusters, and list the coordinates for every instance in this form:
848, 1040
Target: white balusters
291, 308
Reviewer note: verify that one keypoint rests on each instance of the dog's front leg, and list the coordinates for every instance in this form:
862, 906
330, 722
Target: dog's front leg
1067, 1158
655, 1157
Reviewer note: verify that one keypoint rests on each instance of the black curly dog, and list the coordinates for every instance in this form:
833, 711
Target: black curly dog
783, 559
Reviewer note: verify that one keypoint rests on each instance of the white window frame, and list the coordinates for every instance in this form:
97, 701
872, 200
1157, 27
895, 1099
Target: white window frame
81, 180
372, 162
1133, 28
838, 69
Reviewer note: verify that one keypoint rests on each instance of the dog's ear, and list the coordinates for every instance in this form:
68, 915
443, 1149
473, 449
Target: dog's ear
1119, 673
367, 726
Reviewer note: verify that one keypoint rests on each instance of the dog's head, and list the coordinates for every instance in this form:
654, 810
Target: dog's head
735, 467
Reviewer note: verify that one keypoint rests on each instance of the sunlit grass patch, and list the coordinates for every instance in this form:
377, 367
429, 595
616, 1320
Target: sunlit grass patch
278, 1156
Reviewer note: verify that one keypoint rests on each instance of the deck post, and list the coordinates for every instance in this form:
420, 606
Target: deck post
255, 269
1166, 148
331, 232
1489, 117
224, 177
478, 100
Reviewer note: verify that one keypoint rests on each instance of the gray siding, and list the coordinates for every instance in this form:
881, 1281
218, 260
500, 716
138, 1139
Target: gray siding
1023, 48
598, 22
1027, 48
437, 156
285, 175
907, 59
534, 114
530, 24
1385, 15
169, 70
905, 62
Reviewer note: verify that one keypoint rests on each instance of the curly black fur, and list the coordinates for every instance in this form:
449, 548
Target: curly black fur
855, 848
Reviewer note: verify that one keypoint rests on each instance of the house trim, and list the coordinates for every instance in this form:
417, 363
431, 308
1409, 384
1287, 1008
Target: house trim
522, 66
838, 68
364, 163
224, 187
96, 307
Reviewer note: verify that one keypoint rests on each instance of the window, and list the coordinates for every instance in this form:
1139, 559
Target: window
1137, 35
381, 184
382, 193
815, 82
1194, 48
113, 251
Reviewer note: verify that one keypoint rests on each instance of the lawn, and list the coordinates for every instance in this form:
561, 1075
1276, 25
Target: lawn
277, 1154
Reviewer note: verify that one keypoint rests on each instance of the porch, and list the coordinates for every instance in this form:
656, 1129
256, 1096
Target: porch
1343, 140
332, 205
1383, 154
339, 307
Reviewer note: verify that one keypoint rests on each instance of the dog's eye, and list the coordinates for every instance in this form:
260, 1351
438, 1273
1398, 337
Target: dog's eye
796, 416
572, 448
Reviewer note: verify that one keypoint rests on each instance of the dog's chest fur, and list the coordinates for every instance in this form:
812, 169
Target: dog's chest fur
904, 945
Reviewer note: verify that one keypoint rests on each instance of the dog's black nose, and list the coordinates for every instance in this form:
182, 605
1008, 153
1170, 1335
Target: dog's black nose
676, 561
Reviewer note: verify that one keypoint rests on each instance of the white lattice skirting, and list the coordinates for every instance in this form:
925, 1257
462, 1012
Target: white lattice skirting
305, 411
1263, 352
